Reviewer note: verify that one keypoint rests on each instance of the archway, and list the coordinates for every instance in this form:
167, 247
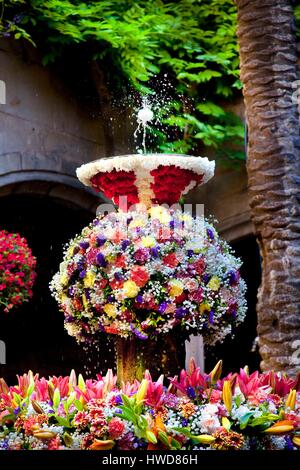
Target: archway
48, 215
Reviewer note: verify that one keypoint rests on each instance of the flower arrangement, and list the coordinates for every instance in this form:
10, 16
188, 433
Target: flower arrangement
196, 412
149, 179
17, 270
143, 273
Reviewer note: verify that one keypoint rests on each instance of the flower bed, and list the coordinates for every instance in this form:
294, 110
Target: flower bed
197, 412
17, 273
143, 273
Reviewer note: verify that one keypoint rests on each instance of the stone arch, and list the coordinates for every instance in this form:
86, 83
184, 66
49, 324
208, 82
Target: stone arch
62, 187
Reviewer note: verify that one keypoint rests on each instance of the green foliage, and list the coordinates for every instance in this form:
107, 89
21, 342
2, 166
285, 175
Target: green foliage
193, 42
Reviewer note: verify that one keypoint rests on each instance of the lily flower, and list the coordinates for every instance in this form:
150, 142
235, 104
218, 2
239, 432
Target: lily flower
102, 445
291, 400
227, 395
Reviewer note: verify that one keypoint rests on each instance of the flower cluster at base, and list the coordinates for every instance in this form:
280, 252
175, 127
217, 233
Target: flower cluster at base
142, 273
17, 273
197, 412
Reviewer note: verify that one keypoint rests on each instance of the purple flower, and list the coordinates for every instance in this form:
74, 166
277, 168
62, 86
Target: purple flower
87, 294
118, 400
233, 277
118, 276
71, 291
210, 233
155, 252
101, 260
206, 278
82, 274
289, 443
191, 392
162, 307
125, 244
139, 299
139, 334
84, 245
181, 312
69, 318
110, 298
211, 317
101, 240
141, 255
172, 224
184, 422
190, 253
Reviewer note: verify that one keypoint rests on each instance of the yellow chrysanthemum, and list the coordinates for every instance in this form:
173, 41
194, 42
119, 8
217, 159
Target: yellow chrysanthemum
89, 278
130, 289
110, 310
204, 307
160, 213
139, 222
64, 279
214, 283
148, 242
176, 288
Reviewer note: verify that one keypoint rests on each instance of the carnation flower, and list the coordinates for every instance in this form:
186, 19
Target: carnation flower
116, 428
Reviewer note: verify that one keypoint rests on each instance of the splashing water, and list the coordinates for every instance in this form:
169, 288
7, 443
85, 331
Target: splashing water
144, 115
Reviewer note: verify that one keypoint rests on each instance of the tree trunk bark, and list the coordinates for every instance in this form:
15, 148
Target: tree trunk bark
268, 54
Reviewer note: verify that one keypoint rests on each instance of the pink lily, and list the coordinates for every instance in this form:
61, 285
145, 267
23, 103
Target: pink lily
155, 391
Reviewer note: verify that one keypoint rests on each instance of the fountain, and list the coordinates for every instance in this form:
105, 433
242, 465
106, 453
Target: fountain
148, 273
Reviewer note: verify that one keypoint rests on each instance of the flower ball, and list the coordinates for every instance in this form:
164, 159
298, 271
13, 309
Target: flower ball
144, 273
17, 270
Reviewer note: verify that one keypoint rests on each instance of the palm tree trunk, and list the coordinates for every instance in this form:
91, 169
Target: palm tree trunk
268, 54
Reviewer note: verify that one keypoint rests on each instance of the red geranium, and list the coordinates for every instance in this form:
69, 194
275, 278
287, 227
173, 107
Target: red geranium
17, 270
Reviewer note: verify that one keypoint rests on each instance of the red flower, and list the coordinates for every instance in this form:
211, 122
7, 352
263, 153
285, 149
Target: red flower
199, 266
116, 284
116, 428
117, 184
170, 182
180, 298
170, 260
16, 270
120, 262
139, 275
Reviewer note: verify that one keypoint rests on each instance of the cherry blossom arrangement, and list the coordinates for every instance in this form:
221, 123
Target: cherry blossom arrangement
144, 273
17, 270
195, 412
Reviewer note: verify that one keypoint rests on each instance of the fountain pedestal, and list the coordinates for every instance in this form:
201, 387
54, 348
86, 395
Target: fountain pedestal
165, 356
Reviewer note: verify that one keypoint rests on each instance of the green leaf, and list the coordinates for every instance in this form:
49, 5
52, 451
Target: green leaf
210, 109
63, 421
185, 431
78, 405
244, 420
30, 389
